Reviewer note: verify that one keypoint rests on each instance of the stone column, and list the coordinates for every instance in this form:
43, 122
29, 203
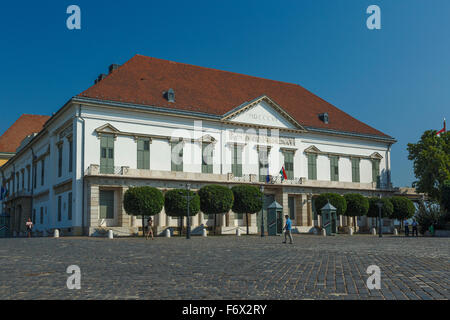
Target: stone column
93, 206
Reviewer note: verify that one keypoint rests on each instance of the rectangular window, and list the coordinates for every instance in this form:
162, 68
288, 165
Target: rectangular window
176, 155
28, 178
42, 215
334, 168
106, 204
263, 165
312, 166
60, 156
23, 180
59, 208
291, 205
34, 216
18, 180
69, 206
236, 160
207, 157
376, 171
42, 171
143, 153
107, 154
289, 164
355, 170
70, 155
239, 216
34, 175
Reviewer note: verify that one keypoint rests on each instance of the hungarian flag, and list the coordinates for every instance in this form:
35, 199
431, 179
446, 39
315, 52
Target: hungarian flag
283, 174
443, 130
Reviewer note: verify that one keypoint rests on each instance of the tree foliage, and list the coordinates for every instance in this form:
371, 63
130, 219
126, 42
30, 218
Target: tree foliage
428, 214
445, 196
175, 203
247, 199
215, 199
357, 205
403, 208
431, 160
387, 209
143, 201
335, 199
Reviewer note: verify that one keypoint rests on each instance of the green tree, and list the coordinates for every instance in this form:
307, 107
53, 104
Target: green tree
403, 208
175, 203
387, 210
247, 199
428, 214
357, 205
215, 199
143, 201
431, 159
335, 199
445, 196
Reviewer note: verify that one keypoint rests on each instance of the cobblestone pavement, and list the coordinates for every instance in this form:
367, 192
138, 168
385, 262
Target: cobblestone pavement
226, 267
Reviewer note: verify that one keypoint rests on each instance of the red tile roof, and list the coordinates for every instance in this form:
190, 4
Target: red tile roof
24, 126
142, 80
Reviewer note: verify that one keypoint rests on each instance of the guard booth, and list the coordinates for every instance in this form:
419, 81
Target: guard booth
329, 219
275, 219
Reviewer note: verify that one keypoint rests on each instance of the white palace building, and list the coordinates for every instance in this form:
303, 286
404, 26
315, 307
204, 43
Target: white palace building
165, 124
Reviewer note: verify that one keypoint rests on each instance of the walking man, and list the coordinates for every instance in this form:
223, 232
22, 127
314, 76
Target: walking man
29, 225
406, 227
414, 228
287, 229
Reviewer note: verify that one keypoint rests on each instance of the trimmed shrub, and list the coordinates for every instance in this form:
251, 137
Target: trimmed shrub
215, 199
175, 203
403, 208
386, 210
335, 199
247, 200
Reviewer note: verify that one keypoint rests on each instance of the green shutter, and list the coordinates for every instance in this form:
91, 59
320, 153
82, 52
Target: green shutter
355, 170
289, 164
177, 166
312, 167
207, 166
106, 154
106, 204
376, 171
143, 154
334, 168
236, 160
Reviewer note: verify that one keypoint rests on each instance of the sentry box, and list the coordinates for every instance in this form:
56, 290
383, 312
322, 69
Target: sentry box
275, 219
329, 219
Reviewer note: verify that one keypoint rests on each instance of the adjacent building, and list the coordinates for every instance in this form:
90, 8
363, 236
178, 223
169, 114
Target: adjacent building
165, 124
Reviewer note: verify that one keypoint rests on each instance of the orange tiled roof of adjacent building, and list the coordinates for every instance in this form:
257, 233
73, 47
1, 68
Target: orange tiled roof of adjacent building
22, 127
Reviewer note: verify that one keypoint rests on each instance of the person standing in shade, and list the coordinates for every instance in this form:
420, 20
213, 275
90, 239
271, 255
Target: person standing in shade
29, 225
149, 228
414, 228
406, 227
287, 229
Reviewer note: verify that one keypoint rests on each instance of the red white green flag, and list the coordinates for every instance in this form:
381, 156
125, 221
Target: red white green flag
283, 174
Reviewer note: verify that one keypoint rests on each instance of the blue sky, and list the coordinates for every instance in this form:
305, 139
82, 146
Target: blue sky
395, 79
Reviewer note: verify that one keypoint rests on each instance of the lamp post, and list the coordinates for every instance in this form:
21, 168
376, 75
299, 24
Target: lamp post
188, 198
262, 211
380, 205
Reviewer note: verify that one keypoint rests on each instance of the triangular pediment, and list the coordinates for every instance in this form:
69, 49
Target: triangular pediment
107, 128
264, 112
312, 149
376, 155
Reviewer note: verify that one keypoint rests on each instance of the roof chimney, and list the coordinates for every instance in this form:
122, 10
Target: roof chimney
113, 67
100, 78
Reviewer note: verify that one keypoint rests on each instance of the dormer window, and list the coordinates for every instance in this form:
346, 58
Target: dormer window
324, 117
170, 95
